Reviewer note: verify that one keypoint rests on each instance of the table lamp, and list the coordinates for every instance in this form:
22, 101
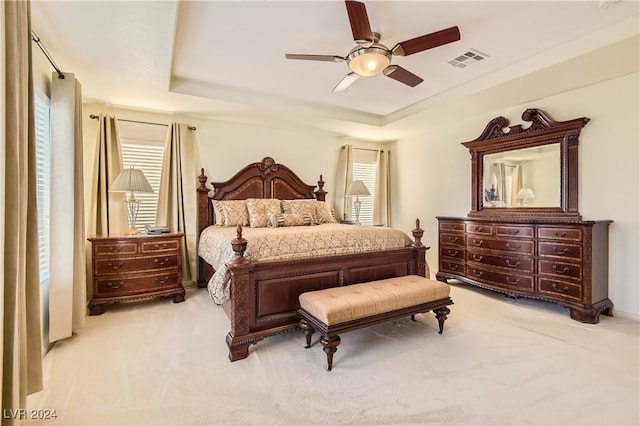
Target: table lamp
357, 188
131, 180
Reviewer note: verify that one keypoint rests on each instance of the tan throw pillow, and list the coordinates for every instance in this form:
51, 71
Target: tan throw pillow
301, 207
260, 209
324, 213
293, 219
218, 214
235, 212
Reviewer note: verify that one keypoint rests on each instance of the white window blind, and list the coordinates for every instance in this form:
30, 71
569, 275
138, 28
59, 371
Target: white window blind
146, 156
43, 178
366, 172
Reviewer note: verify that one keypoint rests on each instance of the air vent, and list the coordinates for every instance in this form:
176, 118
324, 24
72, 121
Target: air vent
468, 58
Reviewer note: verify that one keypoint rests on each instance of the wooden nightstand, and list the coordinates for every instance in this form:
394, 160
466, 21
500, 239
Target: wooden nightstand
127, 268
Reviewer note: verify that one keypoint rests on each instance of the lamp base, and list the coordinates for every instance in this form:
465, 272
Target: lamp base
132, 231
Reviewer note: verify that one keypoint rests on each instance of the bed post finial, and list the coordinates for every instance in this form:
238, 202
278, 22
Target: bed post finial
203, 180
417, 234
321, 193
239, 246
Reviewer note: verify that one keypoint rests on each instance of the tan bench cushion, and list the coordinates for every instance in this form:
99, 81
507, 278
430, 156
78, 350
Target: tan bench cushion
341, 304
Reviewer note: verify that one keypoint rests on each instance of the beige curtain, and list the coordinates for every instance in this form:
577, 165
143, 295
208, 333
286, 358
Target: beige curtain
21, 330
516, 185
67, 280
381, 199
177, 204
344, 177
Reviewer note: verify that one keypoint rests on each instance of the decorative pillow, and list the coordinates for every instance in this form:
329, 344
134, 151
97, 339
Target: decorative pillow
294, 219
260, 209
301, 207
218, 214
324, 213
235, 212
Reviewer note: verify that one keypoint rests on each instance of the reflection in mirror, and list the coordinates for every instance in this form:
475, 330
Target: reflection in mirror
528, 177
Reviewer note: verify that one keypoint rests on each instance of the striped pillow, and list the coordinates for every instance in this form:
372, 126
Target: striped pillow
301, 207
294, 219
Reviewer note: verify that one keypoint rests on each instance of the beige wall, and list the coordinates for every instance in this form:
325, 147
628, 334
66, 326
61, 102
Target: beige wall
431, 173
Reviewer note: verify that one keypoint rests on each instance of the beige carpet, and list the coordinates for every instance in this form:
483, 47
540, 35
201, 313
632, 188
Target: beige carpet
499, 361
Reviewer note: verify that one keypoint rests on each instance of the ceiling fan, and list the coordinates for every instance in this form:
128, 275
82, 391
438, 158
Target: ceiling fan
370, 57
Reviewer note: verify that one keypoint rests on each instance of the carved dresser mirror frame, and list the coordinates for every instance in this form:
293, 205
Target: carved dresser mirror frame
497, 138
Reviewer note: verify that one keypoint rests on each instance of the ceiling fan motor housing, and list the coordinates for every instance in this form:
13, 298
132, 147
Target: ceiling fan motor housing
369, 61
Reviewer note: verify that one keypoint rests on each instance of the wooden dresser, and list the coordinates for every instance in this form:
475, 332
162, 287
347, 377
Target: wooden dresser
562, 262
135, 267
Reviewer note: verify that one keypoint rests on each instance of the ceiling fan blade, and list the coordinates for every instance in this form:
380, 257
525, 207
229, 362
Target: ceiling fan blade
326, 58
345, 82
428, 41
402, 75
359, 20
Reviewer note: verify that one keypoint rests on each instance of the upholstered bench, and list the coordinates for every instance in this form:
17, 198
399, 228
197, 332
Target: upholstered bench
336, 310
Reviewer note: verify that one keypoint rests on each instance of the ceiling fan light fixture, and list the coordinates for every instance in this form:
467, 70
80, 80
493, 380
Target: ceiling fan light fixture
369, 61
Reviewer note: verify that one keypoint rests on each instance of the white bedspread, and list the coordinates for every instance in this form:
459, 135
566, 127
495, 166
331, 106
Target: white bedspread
291, 243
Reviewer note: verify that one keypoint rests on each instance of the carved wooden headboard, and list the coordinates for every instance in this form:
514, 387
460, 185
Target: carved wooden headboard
265, 179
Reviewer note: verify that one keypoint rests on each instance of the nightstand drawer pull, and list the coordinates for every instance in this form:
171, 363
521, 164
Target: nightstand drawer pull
162, 280
161, 261
561, 234
477, 258
453, 266
513, 265
453, 227
453, 239
161, 246
563, 271
515, 231
115, 249
562, 290
478, 243
478, 228
115, 265
477, 273
512, 281
515, 248
452, 252
563, 251
115, 286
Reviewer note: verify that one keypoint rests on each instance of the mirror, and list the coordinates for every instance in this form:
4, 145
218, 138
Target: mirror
528, 177
526, 172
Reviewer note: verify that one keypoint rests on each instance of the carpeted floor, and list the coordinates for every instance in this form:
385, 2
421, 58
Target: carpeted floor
499, 361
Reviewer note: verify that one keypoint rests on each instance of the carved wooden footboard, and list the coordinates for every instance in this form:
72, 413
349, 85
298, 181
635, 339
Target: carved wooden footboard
264, 294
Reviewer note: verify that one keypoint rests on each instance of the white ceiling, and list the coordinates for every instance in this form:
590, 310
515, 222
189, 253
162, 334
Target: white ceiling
226, 59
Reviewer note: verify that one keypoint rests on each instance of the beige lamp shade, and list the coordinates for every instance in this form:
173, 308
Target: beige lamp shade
131, 180
356, 188
526, 194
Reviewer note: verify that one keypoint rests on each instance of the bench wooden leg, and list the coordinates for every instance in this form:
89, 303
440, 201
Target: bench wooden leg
308, 331
330, 346
441, 315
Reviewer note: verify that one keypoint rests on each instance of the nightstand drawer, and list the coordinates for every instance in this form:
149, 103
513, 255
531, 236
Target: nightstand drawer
139, 284
119, 265
155, 246
110, 249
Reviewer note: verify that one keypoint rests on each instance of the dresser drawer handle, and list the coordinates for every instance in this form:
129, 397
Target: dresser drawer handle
453, 239
477, 273
453, 227
477, 258
161, 246
161, 261
561, 290
514, 232
563, 251
115, 249
115, 286
478, 243
513, 282
453, 266
513, 265
115, 265
478, 228
162, 280
563, 271
452, 252
561, 234
510, 247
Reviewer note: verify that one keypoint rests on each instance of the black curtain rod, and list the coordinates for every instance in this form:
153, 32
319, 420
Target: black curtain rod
35, 38
95, 117
366, 149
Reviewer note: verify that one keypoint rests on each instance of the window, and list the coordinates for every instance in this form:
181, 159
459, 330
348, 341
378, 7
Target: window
145, 156
364, 169
43, 178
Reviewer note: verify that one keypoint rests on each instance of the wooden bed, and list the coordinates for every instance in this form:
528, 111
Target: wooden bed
264, 294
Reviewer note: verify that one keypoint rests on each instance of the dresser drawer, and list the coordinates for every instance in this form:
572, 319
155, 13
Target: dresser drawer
119, 265
452, 239
453, 267
451, 253
563, 289
136, 284
566, 234
560, 269
561, 250
115, 248
451, 226
479, 228
524, 264
512, 246
156, 246
500, 279
514, 231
